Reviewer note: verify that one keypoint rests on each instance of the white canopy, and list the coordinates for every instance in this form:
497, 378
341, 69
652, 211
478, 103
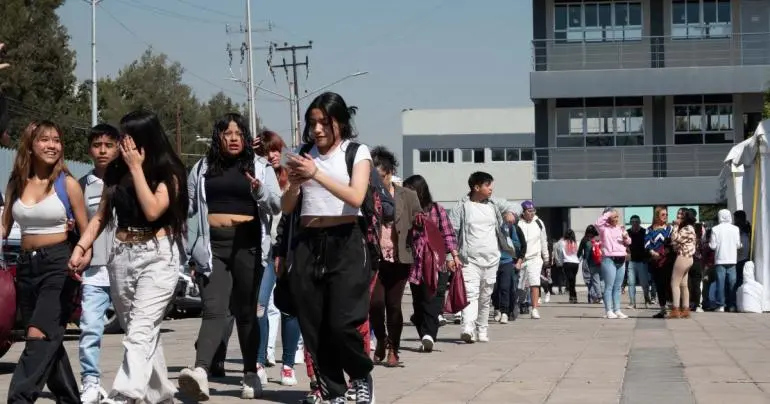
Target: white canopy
749, 154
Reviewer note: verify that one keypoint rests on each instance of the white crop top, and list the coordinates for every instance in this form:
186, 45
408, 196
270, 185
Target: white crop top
317, 200
45, 217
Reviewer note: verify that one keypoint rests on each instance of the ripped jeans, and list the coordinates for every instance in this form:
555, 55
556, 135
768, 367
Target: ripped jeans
45, 294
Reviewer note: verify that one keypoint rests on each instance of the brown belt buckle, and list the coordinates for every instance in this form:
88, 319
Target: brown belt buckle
135, 234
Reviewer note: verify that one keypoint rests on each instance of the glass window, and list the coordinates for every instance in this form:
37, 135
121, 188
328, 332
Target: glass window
575, 16
605, 14
695, 121
576, 141
512, 155
527, 155
724, 11
560, 18
478, 155
635, 14
693, 11
678, 12
709, 11
621, 14
467, 155
424, 156
499, 154
576, 125
592, 15
563, 122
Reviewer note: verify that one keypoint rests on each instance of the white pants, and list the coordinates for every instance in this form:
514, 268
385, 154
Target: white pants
479, 283
274, 321
143, 277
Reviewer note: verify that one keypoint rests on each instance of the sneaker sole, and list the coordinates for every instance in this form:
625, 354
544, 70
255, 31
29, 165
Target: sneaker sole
289, 382
191, 388
467, 338
427, 345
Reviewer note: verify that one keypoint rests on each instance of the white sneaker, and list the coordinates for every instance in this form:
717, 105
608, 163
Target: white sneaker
441, 320
194, 383
631, 307
262, 375
721, 309
299, 357
251, 386
270, 359
699, 309
547, 297
468, 337
497, 315
611, 315
534, 314
503, 318
288, 378
91, 393
483, 337
619, 314
427, 343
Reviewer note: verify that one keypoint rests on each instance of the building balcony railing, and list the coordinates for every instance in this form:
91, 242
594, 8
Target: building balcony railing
737, 49
629, 162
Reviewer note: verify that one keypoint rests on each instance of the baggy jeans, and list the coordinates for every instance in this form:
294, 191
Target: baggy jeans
143, 277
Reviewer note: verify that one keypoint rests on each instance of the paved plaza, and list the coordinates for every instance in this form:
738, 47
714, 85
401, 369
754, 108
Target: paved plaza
571, 355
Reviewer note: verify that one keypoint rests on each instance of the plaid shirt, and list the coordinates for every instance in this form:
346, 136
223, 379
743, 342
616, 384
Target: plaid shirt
439, 216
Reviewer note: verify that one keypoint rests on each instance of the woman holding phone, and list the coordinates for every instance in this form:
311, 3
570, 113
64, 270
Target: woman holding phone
330, 267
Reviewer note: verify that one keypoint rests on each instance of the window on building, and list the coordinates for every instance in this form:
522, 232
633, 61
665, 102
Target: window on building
593, 21
697, 19
600, 122
512, 154
437, 156
472, 155
703, 123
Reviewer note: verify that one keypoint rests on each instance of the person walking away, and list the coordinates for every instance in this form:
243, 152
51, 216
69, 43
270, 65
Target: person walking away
566, 252
537, 252
103, 148
725, 240
146, 196
683, 239
511, 262
657, 242
477, 219
427, 308
385, 316
614, 241
589, 252
42, 197
330, 265
637, 265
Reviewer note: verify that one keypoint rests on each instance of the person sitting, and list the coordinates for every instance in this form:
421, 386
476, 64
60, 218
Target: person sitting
750, 293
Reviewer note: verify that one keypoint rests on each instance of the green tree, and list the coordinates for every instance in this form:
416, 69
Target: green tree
40, 84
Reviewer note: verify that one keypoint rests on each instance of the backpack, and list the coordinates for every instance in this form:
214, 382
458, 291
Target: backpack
371, 208
596, 252
430, 251
60, 187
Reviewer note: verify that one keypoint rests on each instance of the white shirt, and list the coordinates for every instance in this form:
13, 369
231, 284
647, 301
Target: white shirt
317, 200
481, 234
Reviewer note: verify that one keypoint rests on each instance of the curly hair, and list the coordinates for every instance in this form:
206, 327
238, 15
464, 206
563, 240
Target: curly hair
217, 159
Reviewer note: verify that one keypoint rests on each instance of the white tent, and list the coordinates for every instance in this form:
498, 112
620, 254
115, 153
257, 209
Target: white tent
751, 194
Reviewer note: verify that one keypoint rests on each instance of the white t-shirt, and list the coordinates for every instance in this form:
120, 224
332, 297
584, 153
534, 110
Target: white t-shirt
317, 200
481, 234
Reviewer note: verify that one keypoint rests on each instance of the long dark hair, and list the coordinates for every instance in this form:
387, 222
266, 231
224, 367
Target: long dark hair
570, 241
740, 219
688, 218
697, 226
216, 158
591, 232
418, 184
161, 165
333, 107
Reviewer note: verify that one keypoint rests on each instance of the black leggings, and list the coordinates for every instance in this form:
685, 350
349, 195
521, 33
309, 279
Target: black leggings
329, 282
695, 279
662, 277
570, 273
232, 285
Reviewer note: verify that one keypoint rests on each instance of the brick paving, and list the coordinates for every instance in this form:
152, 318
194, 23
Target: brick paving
571, 355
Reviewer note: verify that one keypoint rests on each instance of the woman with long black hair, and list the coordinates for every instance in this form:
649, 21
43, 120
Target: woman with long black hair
41, 198
144, 193
566, 251
234, 192
330, 266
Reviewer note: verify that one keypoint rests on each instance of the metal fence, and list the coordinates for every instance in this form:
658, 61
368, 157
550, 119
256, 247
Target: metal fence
734, 49
7, 157
630, 162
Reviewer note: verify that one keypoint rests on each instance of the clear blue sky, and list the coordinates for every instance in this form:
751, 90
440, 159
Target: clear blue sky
419, 54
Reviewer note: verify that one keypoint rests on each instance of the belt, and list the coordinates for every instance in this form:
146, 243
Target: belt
137, 233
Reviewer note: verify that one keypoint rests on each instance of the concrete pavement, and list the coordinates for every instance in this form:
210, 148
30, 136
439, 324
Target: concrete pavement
571, 355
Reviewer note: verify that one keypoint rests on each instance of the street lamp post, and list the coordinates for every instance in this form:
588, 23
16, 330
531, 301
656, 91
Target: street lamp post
294, 103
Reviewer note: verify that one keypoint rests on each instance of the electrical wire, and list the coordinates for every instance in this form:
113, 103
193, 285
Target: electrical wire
140, 39
169, 13
211, 10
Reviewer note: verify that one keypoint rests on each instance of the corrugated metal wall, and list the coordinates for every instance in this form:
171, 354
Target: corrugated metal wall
7, 156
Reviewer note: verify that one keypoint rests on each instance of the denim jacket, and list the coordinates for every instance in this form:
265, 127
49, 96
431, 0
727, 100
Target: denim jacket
268, 197
457, 217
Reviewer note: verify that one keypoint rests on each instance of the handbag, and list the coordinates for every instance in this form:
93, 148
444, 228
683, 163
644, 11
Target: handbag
456, 299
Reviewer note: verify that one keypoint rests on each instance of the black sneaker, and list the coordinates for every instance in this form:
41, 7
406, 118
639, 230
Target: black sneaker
364, 390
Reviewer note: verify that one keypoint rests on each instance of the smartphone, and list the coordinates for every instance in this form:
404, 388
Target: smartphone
285, 153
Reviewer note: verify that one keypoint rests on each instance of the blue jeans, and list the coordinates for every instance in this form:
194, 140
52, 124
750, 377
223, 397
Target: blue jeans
96, 301
726, 280
612, 275
592, 279
638, 269
290, 332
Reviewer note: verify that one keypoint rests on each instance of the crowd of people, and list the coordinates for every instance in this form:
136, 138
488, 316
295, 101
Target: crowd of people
319, 242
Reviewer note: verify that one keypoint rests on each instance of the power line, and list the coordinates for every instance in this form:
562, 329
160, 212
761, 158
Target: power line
140, 39
169, 13
211, 10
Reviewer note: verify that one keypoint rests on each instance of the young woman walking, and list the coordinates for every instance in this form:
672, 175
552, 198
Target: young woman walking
566, 253
614, 241
330, 266
41, 198
591, 267
657, 242
684, 239
228, 189
145, 193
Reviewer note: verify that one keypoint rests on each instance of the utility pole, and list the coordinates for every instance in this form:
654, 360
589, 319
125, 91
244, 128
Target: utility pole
294, 83
247, 53
179, 129
94, 95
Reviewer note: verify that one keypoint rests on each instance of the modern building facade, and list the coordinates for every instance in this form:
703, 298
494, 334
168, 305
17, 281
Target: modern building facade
638, 102
446, 145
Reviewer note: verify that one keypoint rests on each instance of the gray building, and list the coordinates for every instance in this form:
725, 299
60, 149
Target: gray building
638, 102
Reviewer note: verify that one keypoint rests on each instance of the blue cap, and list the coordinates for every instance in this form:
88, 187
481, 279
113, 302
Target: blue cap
527, 205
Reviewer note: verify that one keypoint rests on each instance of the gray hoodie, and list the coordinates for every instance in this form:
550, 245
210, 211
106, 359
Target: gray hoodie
457, 217
268, 197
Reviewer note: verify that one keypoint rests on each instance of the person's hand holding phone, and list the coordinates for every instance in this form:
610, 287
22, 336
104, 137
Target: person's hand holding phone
301, 168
